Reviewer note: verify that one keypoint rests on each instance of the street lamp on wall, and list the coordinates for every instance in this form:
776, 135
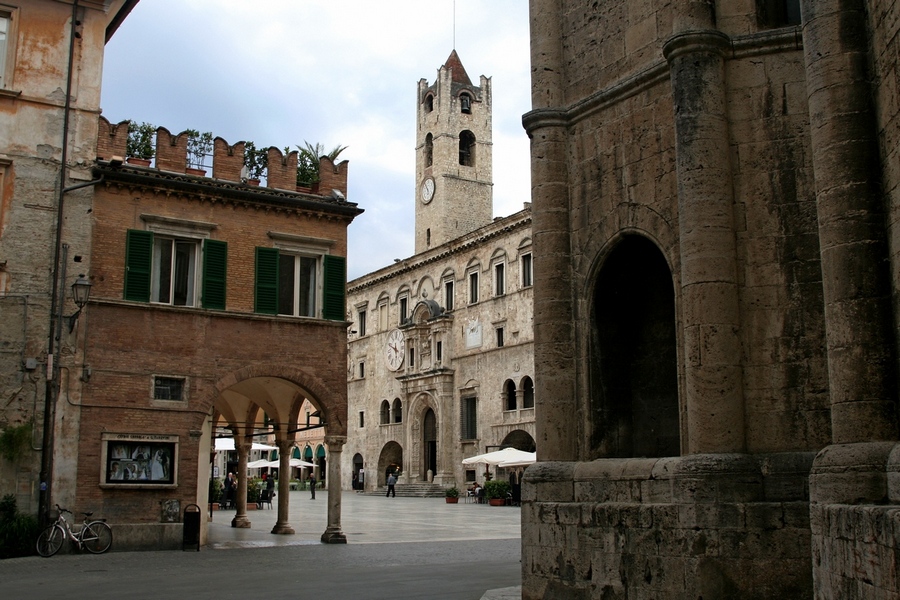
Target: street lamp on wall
81, 292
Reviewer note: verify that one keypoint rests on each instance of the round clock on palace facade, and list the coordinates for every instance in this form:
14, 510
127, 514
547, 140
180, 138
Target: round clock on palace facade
395, 350
427, 190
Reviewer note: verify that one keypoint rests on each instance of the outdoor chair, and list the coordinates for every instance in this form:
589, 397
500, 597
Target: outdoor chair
265, 497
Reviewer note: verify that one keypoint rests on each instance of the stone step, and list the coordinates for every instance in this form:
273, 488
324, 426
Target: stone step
412, 490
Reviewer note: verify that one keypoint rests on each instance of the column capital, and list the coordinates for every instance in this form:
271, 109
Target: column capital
689, 42
335, 443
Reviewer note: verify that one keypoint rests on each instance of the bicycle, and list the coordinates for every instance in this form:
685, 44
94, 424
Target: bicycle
95, 536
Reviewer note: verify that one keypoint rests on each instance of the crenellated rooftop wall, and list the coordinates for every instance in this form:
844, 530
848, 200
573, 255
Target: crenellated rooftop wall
227, 160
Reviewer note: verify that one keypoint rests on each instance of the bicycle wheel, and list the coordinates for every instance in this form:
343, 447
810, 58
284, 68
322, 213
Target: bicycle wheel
96, 537
50, 540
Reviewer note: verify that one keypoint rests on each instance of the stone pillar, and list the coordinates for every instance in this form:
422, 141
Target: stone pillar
709, 291
284, 485
851, 212
242, 445
333, 533
558, 425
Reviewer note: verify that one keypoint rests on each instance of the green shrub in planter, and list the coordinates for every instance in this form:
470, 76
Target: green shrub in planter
497, 488
451, 492
216, 487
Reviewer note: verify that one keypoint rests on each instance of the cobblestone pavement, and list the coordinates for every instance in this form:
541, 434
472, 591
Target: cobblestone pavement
397, 548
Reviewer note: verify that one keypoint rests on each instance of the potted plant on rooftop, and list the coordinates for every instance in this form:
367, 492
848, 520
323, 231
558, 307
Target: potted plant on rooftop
256, 162
451, 495
496, 491
199, 146
139, 147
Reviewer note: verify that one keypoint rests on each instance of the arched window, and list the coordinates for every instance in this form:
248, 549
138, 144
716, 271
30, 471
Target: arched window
509, 395
429, 150
398, 410
527, 393
465, 103
385, 412
429, 103
467, 148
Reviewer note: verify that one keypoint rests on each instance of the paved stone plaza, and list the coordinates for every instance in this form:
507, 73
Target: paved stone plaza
397, 548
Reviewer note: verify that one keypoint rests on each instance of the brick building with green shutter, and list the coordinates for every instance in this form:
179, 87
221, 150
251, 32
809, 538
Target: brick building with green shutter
217, 308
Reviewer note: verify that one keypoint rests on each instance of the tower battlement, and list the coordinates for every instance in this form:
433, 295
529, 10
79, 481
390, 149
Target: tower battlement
227, 159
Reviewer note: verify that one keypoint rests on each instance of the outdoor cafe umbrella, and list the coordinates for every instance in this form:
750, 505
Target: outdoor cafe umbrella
295, 462
226, 444
511, 456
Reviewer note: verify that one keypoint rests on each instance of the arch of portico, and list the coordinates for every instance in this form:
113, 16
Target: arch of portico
241, 402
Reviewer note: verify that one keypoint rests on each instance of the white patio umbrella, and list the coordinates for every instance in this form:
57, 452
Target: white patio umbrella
295, 462
520, 463
225, 444
507, 455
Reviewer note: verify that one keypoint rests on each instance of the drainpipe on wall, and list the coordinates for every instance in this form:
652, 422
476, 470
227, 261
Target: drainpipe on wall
56, 304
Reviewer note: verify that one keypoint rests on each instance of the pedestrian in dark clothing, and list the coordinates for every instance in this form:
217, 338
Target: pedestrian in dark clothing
391, 481
312, 486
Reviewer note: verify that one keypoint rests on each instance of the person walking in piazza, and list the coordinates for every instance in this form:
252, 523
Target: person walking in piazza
312, 486
391, 482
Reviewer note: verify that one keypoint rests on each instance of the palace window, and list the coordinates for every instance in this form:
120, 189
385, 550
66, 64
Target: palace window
429, 150
499, 279
448, 294
361, 323
499, 337
473, 287
168, 270
468, 418
300, 285
385, 412
527, 280
4, 45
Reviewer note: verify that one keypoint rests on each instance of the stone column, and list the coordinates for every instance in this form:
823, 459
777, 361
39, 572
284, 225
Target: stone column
242, 445
559, 427
709, 293
852, 236
284, 486
333, 533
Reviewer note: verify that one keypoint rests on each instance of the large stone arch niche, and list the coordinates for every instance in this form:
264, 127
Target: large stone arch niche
418, 410
520, 440
633, 354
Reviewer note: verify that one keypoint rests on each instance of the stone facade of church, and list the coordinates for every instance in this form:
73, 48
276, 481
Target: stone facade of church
715, 187
440, 350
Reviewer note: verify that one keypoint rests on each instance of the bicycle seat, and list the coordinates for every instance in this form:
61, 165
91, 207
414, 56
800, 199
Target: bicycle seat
87, 514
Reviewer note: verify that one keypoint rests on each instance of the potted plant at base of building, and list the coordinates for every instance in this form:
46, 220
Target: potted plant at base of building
496, 491
198, 148
451, 495
139, 148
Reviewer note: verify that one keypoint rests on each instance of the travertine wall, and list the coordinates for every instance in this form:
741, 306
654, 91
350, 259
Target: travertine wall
747, 152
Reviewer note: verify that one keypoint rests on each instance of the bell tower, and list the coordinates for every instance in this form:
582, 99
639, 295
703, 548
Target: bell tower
454, 181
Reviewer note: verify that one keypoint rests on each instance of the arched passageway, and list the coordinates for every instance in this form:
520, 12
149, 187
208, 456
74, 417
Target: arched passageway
390, 461
633, 358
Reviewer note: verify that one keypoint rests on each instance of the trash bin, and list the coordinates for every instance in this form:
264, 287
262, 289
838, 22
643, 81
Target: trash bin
191, 528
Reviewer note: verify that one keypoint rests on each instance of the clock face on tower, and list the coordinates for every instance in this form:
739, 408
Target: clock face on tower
427, 190
395, 350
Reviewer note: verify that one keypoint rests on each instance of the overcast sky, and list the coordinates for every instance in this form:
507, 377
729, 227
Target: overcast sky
281, 72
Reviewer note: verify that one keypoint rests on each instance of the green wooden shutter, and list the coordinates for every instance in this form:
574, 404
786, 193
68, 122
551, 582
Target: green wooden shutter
267, 281
138, 265
335, 287
215, 262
